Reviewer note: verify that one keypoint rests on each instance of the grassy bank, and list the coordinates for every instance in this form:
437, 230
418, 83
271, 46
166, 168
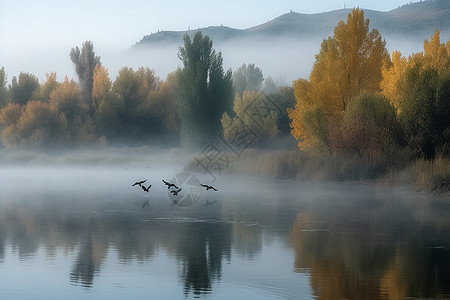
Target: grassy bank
423, 175
396, 169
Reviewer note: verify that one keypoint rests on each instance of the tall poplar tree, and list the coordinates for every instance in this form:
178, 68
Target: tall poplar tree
84, 61
204, 91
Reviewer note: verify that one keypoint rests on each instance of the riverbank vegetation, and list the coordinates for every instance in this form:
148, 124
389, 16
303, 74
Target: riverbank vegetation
362, 114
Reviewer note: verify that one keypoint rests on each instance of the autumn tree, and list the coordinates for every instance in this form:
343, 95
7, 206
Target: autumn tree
84, 61
265, 127
436, 55
101, 84
348, 63
124, 111
204, 91
48, 86
35, 125
66, 101
24, 88
419, 88
160, 109
247, 77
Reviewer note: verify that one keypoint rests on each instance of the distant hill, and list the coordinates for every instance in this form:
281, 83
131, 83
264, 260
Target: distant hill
420, 20
285, 47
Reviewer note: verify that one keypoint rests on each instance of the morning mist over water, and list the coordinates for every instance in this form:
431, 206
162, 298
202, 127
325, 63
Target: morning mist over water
297, 157
85, 229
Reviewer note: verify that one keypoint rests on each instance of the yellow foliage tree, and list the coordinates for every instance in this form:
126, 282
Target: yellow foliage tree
35, 125
246, 108
66, 98
435, 56
348, 63
101, 85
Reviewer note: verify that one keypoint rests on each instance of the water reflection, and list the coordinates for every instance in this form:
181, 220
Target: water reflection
374, 252
349, 246
87, 263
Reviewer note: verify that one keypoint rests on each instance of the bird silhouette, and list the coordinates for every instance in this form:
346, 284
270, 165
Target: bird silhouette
146, 189
169, 185
139, 182
175, 192
208, 187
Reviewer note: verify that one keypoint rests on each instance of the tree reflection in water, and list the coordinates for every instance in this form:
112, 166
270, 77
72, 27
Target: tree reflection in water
85, 267
384, 253
350, 249
201, 249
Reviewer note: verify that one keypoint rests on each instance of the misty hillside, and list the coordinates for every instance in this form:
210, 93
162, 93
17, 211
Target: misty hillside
419, 20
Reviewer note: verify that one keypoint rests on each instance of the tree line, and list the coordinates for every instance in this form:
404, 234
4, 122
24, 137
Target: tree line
361, 101
136, 108
358, 100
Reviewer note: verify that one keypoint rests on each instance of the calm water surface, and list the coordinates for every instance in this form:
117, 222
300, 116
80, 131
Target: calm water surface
84, 233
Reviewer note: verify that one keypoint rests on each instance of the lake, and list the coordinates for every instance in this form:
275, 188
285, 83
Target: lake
87, 233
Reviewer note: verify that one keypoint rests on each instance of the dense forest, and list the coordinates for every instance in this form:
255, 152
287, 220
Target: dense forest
363, 112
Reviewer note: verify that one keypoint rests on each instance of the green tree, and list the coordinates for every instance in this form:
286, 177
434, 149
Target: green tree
48, 86
369, 127
204, 91
84, 61
270, 86
425, 110
3, 89
247, 77
284, 98
24, 89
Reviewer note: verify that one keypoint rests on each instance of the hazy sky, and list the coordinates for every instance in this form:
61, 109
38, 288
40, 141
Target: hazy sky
29, 27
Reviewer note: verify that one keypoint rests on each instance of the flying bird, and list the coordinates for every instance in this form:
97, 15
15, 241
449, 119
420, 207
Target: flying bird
169, 185
175, 192
208, 187
146, 189
139, 182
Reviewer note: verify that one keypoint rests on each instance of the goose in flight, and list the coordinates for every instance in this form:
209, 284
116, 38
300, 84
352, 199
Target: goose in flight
175, 192
169, 185
208, 187
146, 189
139, 182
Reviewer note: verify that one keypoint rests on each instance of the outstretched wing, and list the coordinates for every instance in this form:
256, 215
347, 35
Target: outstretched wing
214, 188
165, 182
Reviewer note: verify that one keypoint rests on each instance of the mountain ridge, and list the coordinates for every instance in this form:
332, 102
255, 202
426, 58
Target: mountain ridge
419, 19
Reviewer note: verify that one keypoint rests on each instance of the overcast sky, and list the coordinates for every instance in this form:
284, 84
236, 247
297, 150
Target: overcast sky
29, 26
